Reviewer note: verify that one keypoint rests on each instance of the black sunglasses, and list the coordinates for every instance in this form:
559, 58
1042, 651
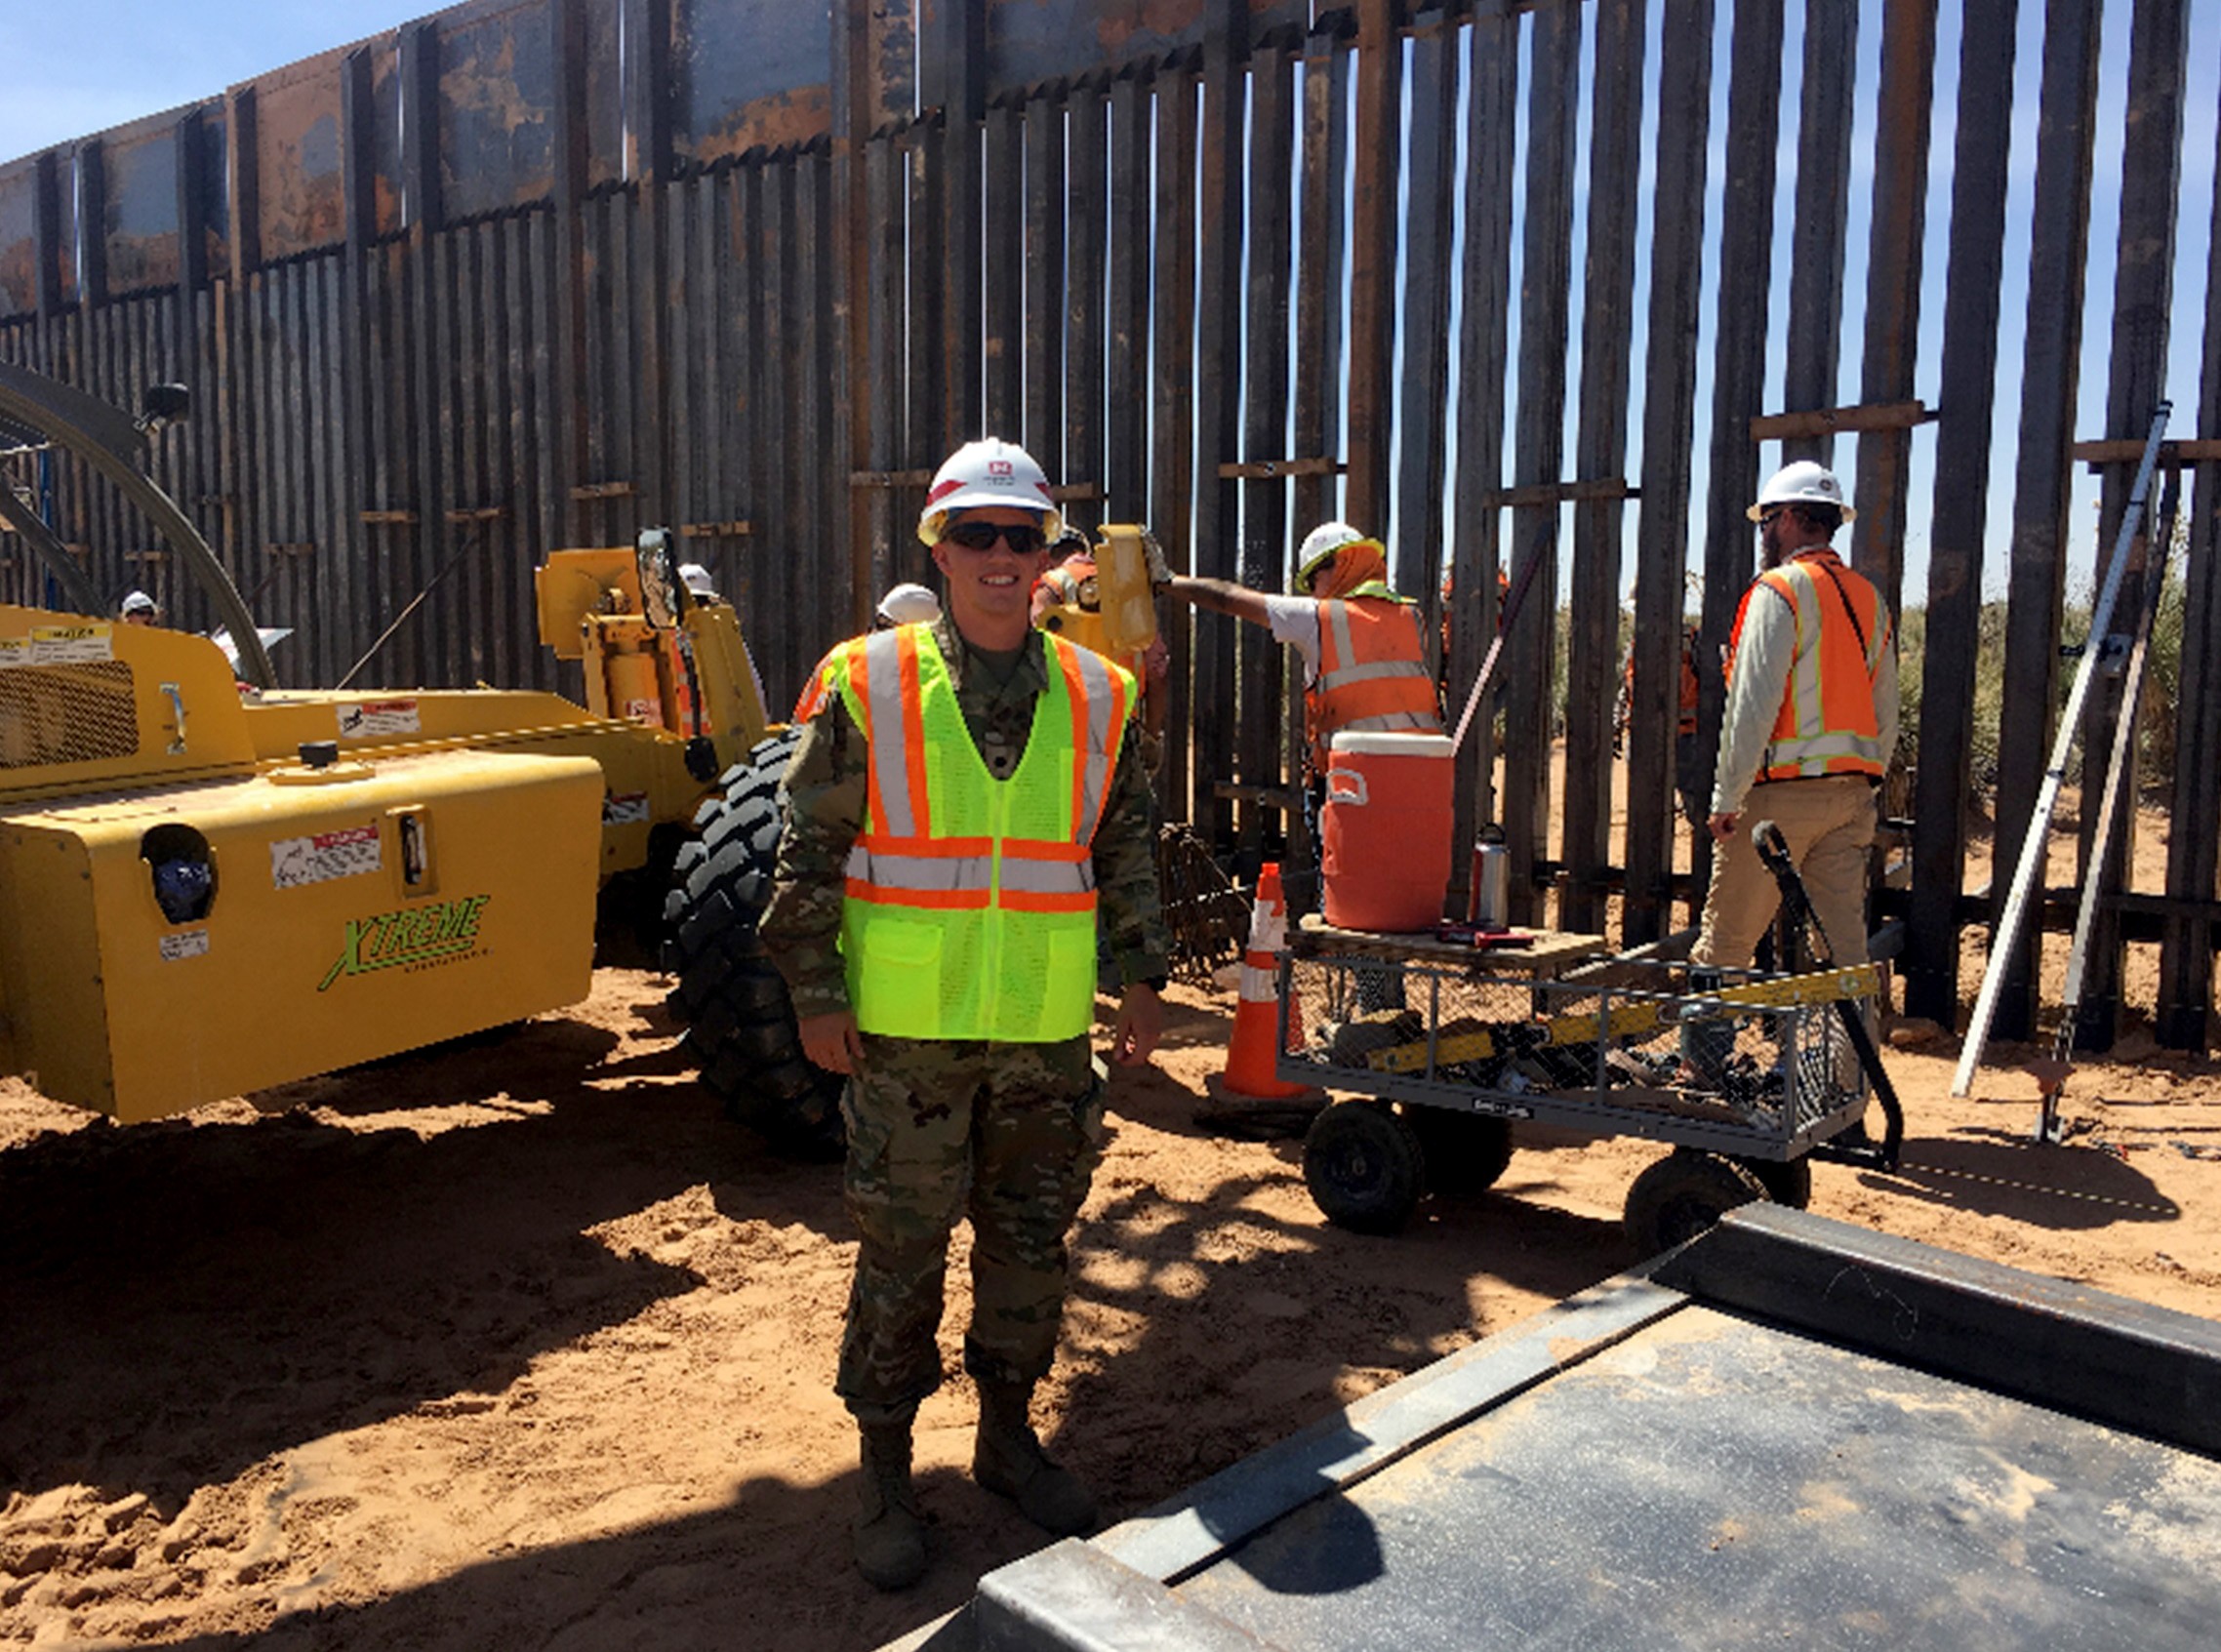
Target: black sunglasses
1025, 537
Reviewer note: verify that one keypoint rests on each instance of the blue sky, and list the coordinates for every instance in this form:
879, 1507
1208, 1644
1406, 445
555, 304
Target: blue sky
82, 66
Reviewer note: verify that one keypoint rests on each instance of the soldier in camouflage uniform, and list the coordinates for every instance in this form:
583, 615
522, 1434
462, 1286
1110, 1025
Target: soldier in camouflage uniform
1005, 1131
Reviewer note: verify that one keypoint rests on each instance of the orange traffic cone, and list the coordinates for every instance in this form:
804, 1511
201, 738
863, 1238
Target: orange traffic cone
1250, 1052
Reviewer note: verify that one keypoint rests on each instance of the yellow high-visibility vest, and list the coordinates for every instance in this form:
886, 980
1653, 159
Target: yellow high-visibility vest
970, 908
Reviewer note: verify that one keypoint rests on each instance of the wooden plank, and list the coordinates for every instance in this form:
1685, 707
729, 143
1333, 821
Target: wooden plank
1373, 253
2099, 455
1739, 363
1810, 347
1492, 115
2186, 950
1172, 396
1264, 554
1890, 415
1086, 255
2143, 293
1592, 652
1959, 519
1127, 436
1539, 440
1218, 404
1003, 272
1044, 283
2051, 373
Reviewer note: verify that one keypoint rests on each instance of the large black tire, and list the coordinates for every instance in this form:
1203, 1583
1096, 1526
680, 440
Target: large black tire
1466, 1153
1363, 1166
1683, 1194
740, 1027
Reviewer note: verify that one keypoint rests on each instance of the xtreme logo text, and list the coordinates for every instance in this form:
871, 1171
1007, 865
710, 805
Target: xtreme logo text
419, 935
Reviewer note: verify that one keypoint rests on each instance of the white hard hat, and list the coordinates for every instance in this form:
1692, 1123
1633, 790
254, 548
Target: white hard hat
1320, 545
697, 580
909, 605
1802, 483
984, 473
139, 602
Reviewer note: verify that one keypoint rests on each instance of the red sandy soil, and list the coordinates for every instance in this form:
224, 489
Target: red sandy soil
518, 1344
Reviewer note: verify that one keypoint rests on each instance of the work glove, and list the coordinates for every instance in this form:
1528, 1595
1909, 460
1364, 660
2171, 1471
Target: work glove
1161, 571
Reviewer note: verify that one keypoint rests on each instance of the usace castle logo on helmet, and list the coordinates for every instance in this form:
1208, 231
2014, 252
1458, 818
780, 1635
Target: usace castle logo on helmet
1000, 470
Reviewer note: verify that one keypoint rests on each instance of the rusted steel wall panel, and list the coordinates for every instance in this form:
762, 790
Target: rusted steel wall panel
1031, 42
748, 74
297, 157
497, 110
2193, 859
1811, 343
1739, 363
2143, 290
1546, 281
2051, 373
1960, 521
604, 101
1668, 431
137, 210
1492, 74
1010, 323
1044, 281
1172, 402
19, 238
1592, 648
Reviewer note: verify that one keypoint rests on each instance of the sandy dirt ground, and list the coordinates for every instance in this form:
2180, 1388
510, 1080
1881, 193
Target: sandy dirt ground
519, 1344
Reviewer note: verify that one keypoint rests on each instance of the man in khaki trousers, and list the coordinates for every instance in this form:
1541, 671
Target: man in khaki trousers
1810, 724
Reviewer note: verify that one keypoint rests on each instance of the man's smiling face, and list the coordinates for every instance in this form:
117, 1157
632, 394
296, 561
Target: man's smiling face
994, 585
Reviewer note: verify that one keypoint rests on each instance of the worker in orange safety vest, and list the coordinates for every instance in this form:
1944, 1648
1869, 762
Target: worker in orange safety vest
1809, 729
1363, 650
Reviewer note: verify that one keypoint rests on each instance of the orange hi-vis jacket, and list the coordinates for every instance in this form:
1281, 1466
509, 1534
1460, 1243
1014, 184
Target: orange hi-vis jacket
1827, 724
1372, 671
970, 900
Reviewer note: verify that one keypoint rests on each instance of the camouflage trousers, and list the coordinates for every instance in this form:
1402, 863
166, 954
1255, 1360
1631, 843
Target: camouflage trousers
1008, 1135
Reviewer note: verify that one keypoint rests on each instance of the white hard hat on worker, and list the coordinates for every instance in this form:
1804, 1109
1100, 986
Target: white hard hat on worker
908, 604
1317, 550
985, 474
1802, 482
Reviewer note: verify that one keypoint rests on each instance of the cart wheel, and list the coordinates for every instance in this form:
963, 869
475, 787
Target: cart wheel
1785, 1180
1363, 1166
1464, 1152
1683, 1194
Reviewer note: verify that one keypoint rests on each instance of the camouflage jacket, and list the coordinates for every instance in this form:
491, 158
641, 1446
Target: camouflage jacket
825, 786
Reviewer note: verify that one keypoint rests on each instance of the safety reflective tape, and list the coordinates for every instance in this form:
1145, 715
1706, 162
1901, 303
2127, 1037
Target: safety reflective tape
1258, 985
1373, 672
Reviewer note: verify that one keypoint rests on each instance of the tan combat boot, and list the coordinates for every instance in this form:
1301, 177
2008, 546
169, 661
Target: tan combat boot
1009, 1461
890, 1536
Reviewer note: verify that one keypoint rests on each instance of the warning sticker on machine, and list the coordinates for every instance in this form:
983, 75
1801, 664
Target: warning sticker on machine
62, 645
297, 861
378, 719
185, 944
623, 808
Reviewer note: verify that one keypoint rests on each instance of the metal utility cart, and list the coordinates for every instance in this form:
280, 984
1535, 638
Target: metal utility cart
1789, 1433
1445, 1044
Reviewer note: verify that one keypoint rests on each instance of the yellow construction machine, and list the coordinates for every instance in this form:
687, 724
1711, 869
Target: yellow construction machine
210, 885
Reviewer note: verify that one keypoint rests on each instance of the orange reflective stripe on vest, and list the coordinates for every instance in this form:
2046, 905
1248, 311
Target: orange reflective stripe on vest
1372, 673
1827, 724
